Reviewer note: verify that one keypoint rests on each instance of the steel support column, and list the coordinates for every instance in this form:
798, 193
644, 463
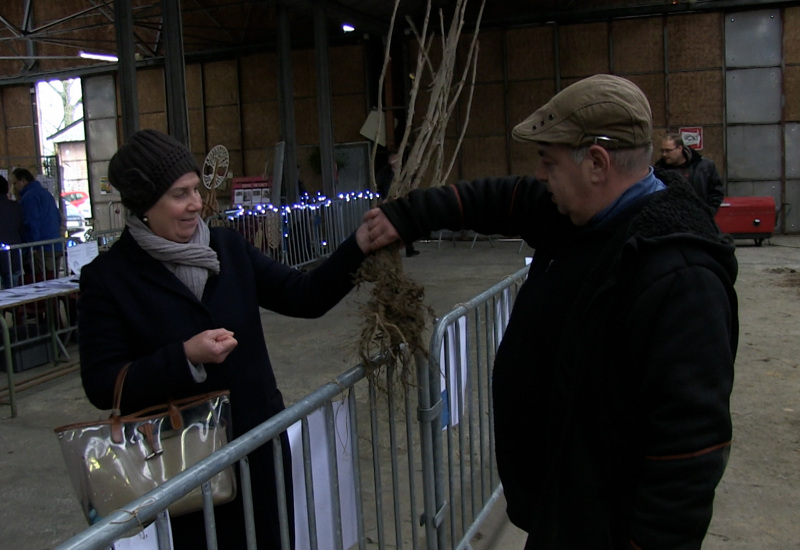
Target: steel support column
129, 98
286, 98
175, 71
322, 65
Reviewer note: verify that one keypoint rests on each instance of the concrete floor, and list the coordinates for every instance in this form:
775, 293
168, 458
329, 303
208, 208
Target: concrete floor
756, 505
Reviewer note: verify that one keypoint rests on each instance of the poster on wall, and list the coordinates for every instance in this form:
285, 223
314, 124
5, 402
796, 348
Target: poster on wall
692, 137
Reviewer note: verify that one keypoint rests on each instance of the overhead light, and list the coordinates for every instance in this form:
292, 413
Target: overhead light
98, 56
347, 27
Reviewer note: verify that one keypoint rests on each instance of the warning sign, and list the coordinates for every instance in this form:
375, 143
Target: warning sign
692, 137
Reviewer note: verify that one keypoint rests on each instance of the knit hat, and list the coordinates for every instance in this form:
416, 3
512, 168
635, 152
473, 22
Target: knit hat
144, 169
603, 109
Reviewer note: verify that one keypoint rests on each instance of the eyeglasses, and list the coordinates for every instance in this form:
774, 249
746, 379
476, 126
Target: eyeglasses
670, 150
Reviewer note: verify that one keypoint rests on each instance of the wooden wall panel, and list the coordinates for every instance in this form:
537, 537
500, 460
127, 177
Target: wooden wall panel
490, 56
222, 127
695, 41
530, 53
792, 88
150, 92
653, 87
306, 121
17, 106
18, 141
349, 113
197, 131
194, 86
221, 83
154, 121
584, 50
347, 70
525, 98
483, 156
22, 147
254, 162
304, 73
488, 113
695, 98
260, 124
791, 35
259, 78
638, 45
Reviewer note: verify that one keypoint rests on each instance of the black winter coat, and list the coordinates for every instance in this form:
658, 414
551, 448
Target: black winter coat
133, 309
702, 174
611, 385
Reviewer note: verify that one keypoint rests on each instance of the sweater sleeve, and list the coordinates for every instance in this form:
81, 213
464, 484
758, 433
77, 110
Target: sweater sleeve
506, 206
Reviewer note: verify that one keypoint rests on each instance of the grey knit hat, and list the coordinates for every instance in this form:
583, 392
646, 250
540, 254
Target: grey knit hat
144, 169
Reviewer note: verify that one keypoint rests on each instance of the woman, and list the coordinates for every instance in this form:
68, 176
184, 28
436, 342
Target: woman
180, 303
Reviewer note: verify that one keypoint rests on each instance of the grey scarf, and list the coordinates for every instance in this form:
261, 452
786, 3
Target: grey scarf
190, 262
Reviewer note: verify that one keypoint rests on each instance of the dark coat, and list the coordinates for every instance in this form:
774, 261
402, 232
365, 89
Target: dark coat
133, 309
611, 385
42, 216
11, 229
702, 174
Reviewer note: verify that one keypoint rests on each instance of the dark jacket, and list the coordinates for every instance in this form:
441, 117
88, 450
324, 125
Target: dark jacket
702, 174
611, 385
11, 229
132, 308
42, 216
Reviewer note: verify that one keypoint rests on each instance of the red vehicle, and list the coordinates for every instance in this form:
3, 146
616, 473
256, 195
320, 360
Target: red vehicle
747, 217
80, 200
77, 198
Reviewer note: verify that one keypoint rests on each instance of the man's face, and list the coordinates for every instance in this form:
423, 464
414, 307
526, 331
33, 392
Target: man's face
15, 185
568, 181
672, 153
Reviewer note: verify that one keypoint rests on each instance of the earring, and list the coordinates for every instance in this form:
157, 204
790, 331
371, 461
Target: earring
145, 219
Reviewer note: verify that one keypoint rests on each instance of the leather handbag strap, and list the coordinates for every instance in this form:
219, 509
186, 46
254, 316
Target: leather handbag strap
116, 420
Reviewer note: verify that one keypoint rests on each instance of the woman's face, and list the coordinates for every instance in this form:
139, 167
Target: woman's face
176, 214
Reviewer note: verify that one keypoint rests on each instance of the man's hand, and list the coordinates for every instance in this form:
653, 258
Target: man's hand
210, 346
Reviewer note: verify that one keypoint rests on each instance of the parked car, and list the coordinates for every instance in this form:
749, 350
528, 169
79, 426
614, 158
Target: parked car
75, 222
80, 200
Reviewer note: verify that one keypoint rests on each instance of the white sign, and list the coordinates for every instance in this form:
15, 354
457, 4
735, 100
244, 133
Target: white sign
79, 255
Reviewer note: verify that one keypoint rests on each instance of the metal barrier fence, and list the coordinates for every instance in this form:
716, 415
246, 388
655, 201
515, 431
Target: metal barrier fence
32, 263
301, 234
383, 470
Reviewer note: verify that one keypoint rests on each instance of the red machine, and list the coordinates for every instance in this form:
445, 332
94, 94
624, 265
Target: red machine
747, 217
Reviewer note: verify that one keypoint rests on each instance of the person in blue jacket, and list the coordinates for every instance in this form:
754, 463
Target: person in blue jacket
181, 303
611, 386
43, 222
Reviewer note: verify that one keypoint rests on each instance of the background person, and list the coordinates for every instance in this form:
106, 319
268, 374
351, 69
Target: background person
180, 302
11, 229
700, 172
611, 385
42, 223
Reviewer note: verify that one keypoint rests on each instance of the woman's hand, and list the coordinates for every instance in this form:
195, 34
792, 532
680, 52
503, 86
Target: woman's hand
210, 346
376, 231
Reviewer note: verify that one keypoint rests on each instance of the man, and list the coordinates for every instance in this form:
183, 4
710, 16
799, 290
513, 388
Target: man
700, 172
42, 222
11, 226
611, 385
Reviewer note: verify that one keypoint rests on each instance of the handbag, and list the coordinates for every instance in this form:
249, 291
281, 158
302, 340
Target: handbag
114, 461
